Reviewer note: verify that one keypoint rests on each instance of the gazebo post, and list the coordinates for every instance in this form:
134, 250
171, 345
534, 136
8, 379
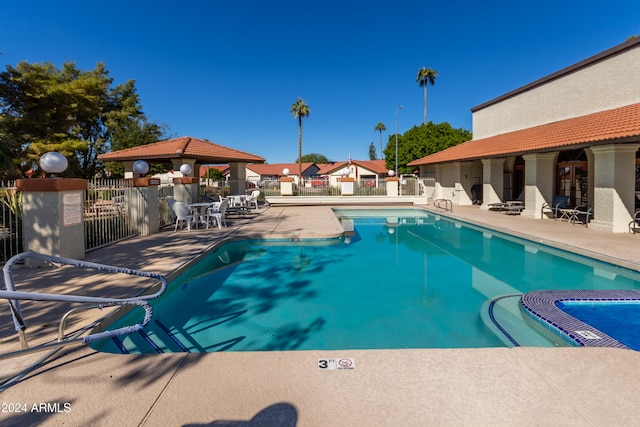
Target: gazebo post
238, 177
186, 188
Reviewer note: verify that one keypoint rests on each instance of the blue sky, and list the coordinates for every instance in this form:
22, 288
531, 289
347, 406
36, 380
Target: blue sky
229, 71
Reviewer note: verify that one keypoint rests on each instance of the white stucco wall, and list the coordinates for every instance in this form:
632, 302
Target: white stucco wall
611, 83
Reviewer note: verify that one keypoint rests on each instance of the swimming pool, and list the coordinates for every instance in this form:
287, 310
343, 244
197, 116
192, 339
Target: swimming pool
616, 319
404, 278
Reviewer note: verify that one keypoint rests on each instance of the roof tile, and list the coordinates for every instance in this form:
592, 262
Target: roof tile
600, 127
183, 147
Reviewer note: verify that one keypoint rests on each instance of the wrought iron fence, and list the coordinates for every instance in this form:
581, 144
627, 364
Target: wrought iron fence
105, 212
165, 203
11, 231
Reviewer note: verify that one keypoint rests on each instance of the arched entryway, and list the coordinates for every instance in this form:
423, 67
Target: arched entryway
572, 171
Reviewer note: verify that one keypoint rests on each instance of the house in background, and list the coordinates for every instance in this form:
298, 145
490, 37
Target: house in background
366, 172
574, 133
273, 172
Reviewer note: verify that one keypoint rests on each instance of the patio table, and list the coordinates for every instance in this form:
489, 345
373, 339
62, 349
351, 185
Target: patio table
199, 210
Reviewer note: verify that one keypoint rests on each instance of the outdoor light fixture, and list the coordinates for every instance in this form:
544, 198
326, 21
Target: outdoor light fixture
53, 163
391, 172
285, 171
140, 167
345, 172
185, 169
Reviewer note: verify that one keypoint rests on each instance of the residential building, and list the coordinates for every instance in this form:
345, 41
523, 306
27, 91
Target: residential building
574, 133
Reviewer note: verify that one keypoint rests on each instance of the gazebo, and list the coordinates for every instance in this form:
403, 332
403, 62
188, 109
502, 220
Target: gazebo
187, 150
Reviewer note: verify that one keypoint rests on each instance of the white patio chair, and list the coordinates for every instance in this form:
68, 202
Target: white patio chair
170, 202
218, 214
252, 200
183, 215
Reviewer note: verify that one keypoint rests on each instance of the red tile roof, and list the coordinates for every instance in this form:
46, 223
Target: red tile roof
183, 147
604, 127
276, 169
327, 168
377, 166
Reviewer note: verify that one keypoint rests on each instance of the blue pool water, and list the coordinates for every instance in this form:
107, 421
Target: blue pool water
619, 320
404, 279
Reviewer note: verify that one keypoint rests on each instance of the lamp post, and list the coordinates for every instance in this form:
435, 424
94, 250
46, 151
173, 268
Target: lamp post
397, 109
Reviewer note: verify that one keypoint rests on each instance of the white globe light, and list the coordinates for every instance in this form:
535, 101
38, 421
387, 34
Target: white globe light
53, 162
345, 171
285, 171
185, 169
391, 172
140, 167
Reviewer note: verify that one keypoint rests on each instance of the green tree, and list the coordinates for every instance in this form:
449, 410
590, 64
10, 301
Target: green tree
372, 152
426, 76
299, 110
315, 158
69, 110
420, 141
215, 174
380, 127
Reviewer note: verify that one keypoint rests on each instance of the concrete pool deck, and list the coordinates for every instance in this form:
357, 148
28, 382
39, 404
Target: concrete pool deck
493, 386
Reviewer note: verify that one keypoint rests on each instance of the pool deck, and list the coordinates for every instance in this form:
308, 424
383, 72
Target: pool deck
440, 387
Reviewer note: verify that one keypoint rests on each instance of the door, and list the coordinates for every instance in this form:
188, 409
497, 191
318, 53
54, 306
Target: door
572, 182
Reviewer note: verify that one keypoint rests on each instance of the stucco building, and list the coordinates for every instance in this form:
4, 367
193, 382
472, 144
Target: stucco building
575, 133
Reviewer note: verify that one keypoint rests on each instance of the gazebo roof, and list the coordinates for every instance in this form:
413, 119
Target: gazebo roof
184, 147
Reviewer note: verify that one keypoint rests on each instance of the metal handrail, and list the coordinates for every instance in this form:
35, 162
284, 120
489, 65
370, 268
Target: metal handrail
14, 296
448, 204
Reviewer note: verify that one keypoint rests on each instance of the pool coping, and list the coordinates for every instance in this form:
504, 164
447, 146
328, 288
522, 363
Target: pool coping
541, 307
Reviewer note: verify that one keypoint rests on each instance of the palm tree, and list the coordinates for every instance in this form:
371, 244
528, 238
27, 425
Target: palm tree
300, 110
426, 75
380, 128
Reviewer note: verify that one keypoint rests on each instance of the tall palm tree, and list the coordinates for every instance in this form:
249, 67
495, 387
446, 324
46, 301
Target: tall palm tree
426, 75
380, 128
300, 110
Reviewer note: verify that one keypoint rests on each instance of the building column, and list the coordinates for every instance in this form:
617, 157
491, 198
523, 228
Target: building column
53, 217
614, 187
492, 181
539, 178
143, 212
393, 185
186, 188
438, 191
238, 177
462, 187
590, 175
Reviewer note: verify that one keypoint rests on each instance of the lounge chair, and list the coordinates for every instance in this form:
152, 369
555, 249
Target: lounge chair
512, 209
555, 208
183, 215
511, 205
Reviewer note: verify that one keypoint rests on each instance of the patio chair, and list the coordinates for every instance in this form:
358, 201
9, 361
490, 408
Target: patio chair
253, 199
582, 214
183, 215
555, 208
218, 214
634, 225
170, 202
